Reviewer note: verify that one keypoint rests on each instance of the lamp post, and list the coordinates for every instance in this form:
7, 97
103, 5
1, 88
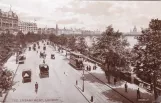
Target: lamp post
83, 77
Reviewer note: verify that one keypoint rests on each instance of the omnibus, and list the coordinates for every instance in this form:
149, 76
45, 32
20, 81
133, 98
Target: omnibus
44, 70
76, 60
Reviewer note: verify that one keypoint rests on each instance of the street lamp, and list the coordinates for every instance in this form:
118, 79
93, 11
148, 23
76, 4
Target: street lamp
83, 77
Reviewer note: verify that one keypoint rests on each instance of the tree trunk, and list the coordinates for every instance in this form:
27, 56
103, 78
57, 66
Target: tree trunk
154, 83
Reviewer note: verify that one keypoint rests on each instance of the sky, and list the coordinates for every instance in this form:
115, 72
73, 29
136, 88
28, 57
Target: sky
85, 14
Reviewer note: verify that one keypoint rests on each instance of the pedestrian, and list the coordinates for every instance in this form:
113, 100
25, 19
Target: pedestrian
89, 68
126, 87
95, 66
115, 80
36, 87
44, 61
138, 94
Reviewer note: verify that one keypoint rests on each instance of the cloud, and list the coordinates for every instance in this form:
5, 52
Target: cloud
68, 21
90, 8
123, 15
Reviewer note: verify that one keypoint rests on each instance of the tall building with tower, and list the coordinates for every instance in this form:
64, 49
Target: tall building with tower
57, 29
8, 21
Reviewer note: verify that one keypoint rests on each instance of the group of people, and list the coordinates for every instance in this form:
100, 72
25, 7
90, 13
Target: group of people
88, 67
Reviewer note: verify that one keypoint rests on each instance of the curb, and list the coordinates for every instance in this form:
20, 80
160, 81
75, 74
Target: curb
82, 94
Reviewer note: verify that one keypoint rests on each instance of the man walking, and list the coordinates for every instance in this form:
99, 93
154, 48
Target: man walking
138, 94
36, 87
126, 87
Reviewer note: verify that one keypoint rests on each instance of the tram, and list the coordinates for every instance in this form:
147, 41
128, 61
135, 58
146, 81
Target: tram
76, 60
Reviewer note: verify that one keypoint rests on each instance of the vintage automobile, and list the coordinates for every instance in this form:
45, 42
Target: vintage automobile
21, 59
26, 76
52, 56
44, 70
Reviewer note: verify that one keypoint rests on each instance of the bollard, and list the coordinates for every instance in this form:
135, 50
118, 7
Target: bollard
91, 98
76, 82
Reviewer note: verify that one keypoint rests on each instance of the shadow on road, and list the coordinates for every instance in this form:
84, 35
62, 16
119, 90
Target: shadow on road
131, 94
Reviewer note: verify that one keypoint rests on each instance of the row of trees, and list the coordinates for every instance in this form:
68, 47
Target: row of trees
9, 44
70, 41
113, 50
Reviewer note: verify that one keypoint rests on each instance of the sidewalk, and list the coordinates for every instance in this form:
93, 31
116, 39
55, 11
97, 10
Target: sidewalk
119, 87
10, 65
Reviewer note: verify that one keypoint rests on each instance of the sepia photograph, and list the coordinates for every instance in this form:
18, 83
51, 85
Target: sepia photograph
80, 51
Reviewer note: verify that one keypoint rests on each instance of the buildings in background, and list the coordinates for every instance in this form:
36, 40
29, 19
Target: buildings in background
8, 22
133, 32
26, 27
46, 31
75, 31
65, 31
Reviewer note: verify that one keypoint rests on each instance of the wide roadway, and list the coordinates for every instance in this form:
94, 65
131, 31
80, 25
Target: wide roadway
58, 88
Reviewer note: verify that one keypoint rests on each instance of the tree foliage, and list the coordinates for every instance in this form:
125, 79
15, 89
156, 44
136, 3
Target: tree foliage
71, 42
111, 47
147, 58
81, 44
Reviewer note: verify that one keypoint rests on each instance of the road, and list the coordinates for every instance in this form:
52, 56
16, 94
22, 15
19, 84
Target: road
58, 88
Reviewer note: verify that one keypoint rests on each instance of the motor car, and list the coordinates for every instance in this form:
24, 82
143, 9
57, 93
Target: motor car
26, 76
21, 59
52, 56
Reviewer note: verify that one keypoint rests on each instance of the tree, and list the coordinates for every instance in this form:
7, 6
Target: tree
147, 57
6, 79
111, 47
62, 40
71, 42
81, 45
